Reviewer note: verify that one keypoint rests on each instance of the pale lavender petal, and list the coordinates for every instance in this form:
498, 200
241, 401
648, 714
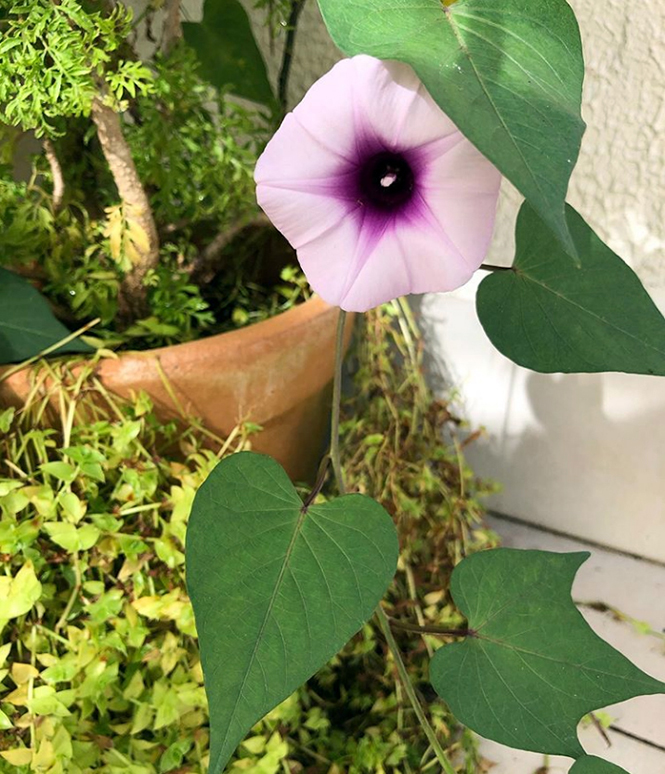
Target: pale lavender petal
293, 157
300, 216
394, 102
328, 111
412, 257
461, 190
328, 261
376, 188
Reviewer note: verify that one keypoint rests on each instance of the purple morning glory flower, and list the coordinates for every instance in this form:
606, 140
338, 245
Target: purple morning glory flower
377, 190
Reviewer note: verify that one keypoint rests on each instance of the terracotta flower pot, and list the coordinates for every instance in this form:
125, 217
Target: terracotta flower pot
276, 373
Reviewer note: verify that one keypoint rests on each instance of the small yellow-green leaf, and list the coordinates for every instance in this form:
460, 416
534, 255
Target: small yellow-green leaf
63, 471
19, 756
22, 673
19, 594
73, 507
70, 537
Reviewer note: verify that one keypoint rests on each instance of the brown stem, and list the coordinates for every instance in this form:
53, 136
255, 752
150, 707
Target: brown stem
416, 628
172, 31
56, 174
204, 267
137, 209
319, 483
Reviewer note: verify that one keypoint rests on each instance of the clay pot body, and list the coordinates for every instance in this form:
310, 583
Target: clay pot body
276, 373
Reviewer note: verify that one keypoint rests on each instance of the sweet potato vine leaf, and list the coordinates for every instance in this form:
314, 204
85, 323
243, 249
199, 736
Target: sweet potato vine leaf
549, 315
589, 764
227, 52
534, 668
27, 324
508, 73
277, 588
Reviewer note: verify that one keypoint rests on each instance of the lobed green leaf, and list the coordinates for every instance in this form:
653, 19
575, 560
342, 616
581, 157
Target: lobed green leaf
533, 667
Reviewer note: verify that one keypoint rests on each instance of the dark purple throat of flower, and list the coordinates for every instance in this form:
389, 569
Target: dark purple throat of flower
386, 181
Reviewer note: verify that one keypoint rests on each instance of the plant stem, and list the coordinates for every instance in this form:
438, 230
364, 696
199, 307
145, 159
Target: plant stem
76, 590
136, 207
172, 31
336, 404
287, 58
492, 267
56, 174
440, 753
441, 756
424, 629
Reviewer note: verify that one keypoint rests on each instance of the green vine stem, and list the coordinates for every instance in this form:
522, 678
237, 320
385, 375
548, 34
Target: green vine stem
382, 618
337, 403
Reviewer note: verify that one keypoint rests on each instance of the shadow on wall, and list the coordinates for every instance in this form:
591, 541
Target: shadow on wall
579, 453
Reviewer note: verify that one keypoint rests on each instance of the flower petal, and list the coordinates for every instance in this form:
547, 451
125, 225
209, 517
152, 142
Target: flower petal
357, 246
461, 189
301, 216
329, 260
413, 257
396, 105
294, 156
328, 111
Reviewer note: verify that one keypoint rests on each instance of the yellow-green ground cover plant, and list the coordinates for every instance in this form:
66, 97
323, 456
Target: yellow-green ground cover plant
100, 668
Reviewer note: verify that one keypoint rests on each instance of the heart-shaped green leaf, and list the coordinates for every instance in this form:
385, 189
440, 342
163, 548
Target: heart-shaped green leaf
227, 51
278, 588
589, 764
549, 315
533, 667
27, 324
508, 73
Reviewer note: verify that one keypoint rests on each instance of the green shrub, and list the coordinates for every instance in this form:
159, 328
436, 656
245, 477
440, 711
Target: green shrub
98, 655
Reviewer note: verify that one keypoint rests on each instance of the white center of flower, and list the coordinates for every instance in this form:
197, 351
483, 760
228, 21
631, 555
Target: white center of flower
388, 179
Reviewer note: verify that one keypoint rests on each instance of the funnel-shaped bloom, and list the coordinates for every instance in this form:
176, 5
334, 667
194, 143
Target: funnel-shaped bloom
375, 187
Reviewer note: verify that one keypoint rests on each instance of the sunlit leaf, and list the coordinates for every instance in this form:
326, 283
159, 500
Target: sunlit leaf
18, 595
277, 588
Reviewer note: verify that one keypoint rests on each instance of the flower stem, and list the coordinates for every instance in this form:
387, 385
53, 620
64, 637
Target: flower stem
336, 404
440, 753
443, 759
435, 630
